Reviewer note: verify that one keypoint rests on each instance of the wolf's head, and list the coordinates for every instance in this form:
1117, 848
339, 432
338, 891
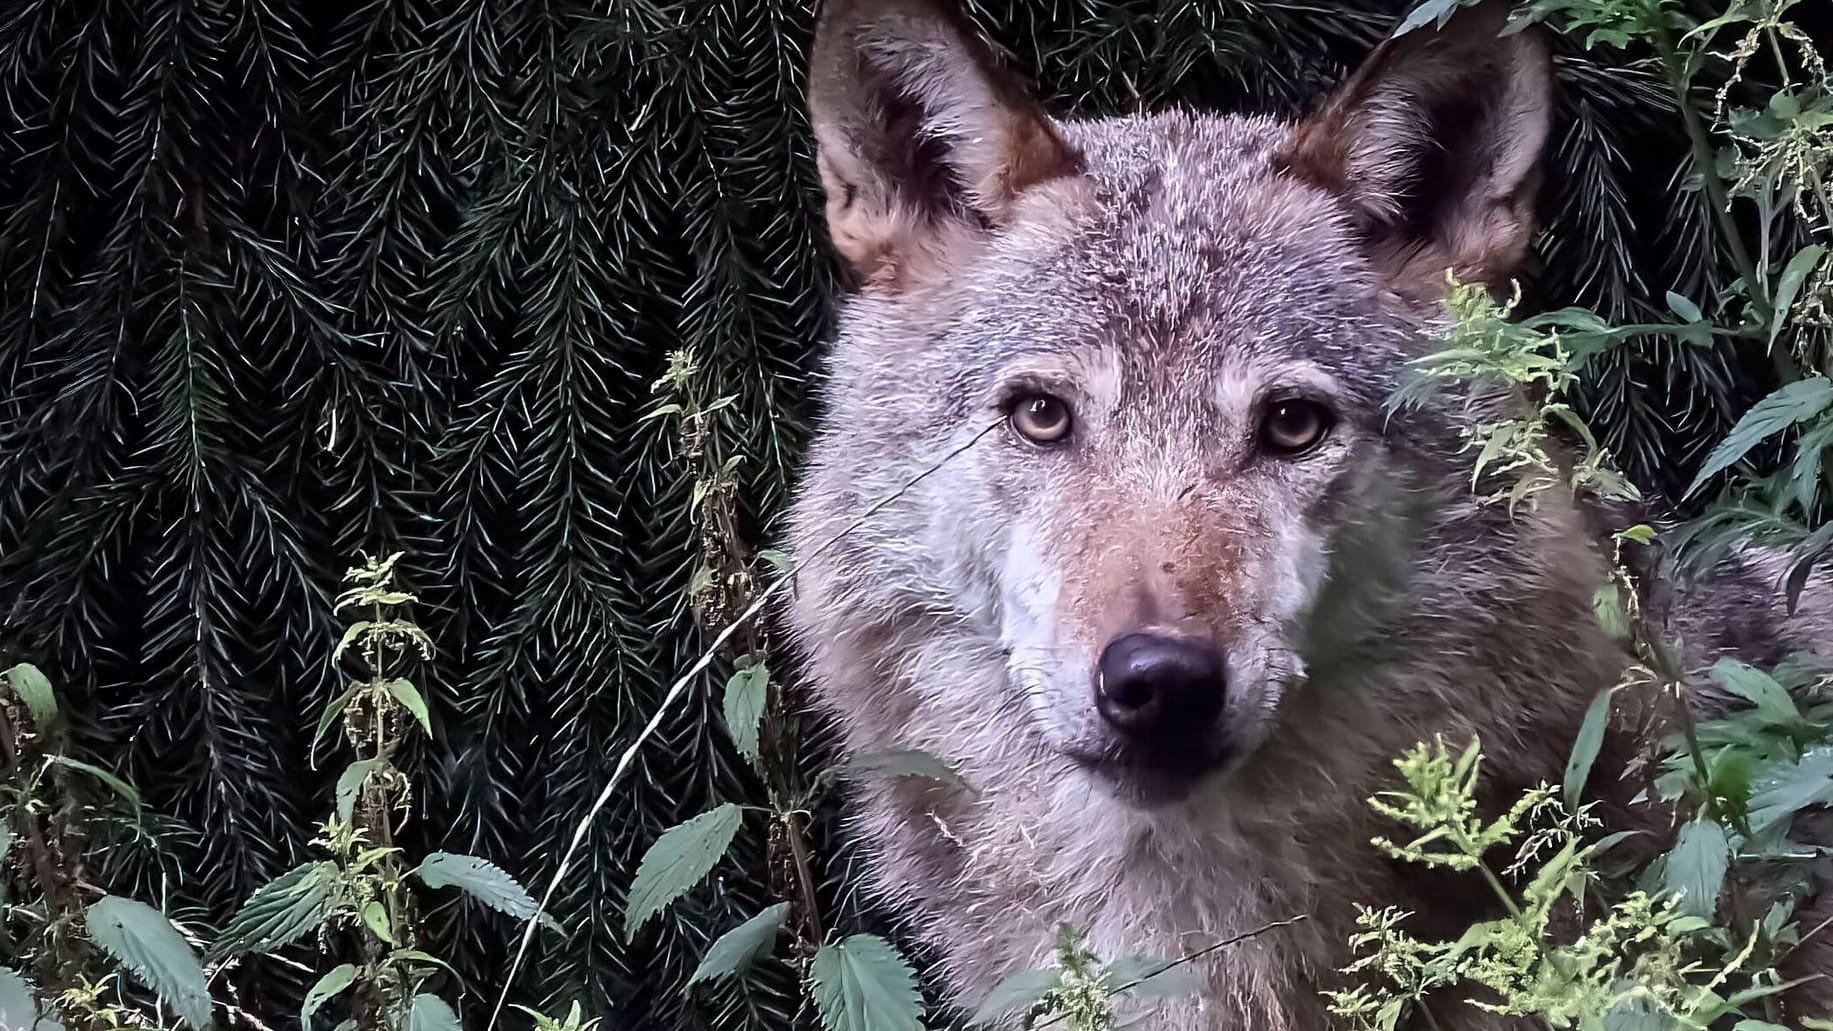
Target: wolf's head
1158, 349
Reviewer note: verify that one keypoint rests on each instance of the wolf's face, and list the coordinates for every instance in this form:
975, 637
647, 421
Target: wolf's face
1162, 348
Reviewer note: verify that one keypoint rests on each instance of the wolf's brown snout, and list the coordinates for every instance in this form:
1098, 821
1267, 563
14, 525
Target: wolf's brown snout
1150, 685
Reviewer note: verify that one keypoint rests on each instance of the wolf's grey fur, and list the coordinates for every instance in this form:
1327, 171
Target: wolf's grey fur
1167, 275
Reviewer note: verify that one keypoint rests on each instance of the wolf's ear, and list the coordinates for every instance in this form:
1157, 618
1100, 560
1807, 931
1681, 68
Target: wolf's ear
919, 131
1436, 142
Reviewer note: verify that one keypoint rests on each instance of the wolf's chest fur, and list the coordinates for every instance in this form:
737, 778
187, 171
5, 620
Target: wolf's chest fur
990, 876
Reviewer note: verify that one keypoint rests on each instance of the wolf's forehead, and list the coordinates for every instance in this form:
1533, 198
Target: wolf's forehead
1195, 249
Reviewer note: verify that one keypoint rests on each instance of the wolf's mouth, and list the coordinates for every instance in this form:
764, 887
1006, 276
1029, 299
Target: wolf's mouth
1150, 779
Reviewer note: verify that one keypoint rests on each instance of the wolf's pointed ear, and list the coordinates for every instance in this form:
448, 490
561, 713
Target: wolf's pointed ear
1436, 142
919, 131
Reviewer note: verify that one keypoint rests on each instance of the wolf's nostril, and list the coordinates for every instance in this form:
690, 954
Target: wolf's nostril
1147, 683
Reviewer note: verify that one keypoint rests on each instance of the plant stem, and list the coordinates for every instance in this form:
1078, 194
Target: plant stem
805, 874
1717, 199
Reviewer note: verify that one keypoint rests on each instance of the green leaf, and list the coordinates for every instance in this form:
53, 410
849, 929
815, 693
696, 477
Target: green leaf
281, 911
1789, 284
1152, 978
1759, 688
862, 984
409, 696
482, 880
1696, 867
1607, 605
375, 917
350, 785
350, 635
1433, 12
1796, 402
141, 939
746, 694
1785, 789
779, 559
115, 784
1585, 749
335, 980
34, 689
430, 1013
1686, 309
679, 859
333, 711
1641, 533
904, 762
1014, 996
734, 951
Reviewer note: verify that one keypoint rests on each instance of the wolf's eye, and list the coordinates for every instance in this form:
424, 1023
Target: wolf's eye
1041, 419
1294, 426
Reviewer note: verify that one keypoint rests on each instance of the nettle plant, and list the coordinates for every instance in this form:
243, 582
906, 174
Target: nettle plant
366, 890
1669, 952
71, 942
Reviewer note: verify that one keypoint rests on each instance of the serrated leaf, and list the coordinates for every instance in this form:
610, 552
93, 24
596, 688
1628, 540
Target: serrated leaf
1788, 285
1696, 867
1784, 789
861, 983
1015, 995
1431, 12
350, 785
408, 695
746, 695
143, 941
734, 951
34, 689
482, 880
335, 980
430, 1013
1795, 402
351, 633
281, 911
375, 917
333, 711
114, 783
1585, 749
1771, 699
904, 762
679, 859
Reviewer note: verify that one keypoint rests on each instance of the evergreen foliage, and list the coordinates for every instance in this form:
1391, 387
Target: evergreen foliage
531, 293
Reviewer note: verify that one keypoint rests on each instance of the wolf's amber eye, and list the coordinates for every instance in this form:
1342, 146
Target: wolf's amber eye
1041, 419
1294, 426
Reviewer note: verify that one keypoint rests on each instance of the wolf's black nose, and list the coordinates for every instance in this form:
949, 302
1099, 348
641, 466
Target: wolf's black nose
1151, 684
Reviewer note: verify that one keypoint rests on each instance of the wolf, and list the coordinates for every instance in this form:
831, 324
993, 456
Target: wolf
1105, 505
